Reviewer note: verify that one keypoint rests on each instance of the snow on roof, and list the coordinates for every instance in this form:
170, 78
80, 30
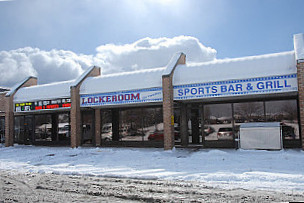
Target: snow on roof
172, 64
219, 70
239, 68
82, 76
18, 85
142, 79
299, 45
44, 92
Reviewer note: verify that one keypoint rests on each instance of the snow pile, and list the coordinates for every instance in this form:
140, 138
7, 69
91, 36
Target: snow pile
271, 170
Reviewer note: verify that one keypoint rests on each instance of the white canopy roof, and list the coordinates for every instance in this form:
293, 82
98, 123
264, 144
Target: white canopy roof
219, 70
239, 68
143, 79
44, 92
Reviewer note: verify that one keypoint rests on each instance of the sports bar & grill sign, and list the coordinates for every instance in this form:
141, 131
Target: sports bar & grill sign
251, 86
42, 105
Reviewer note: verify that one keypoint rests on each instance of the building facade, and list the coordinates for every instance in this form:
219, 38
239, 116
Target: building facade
181, 104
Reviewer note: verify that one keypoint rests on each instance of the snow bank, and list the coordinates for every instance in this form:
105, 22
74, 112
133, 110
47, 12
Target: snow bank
269, 170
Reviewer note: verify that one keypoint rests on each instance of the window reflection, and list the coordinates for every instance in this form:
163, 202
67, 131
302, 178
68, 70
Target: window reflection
43, 128
286, 113
64, 127
249, 112
218, 122
136, 124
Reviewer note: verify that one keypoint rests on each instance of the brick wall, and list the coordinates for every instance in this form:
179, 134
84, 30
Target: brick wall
300, 72
2, 104
75, 117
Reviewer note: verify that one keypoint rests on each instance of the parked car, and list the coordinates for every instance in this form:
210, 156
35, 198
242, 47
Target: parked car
159, 136
225, 133
106, 136
64, 131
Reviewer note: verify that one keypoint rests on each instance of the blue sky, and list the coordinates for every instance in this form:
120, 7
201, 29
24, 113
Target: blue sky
56, 40
234, 28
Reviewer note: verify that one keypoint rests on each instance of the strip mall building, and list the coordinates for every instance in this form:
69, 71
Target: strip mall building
178, 105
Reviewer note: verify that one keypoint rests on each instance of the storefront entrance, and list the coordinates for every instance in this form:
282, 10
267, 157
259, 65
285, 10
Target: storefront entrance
43, 129
88, 137
217, 125
24, 129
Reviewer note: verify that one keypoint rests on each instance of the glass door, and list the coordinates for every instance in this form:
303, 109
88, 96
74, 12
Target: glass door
28, 129
87, 127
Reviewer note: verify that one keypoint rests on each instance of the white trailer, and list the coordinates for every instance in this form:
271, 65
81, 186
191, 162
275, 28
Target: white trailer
261, 136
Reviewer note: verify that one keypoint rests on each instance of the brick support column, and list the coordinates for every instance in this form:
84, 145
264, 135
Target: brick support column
300, 75
75, 113
97, 127
75, 116
168, 110
168, 113
9, 122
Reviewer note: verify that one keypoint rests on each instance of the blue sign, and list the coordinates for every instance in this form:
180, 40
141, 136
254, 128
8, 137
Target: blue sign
123, 97
263, 85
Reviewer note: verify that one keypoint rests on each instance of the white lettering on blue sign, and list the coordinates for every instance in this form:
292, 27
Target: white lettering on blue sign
124, 97
262, 85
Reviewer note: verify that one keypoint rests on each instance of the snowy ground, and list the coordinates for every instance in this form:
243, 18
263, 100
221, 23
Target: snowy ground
254, 170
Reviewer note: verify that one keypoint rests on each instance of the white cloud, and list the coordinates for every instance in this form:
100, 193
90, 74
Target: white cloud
149, 53
59, 65
48, 66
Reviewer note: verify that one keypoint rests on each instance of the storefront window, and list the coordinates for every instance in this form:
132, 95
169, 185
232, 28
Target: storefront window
23, 129
106, 123
218, 122
141, 124
43, 128
64, 127
137, 124
286, 113
131, 125
19, 129
249, 112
